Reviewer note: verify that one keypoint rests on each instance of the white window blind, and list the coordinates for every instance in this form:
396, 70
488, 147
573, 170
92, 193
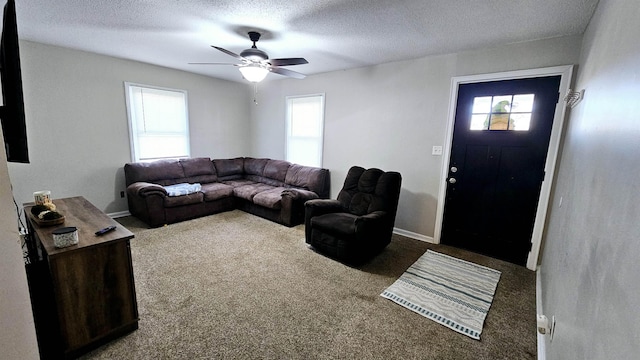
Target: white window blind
158, 122
305, 128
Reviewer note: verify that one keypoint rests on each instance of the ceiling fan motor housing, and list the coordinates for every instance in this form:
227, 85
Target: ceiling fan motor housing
254, 54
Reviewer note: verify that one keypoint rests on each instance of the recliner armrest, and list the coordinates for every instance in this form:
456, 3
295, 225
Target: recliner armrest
370, 223
323, 206
376, 215
318, 207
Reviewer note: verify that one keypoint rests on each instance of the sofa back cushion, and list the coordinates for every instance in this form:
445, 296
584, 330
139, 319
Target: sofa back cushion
229, 169
254, 166
199, 170
309, 178
163, 172
266, 171
276, 170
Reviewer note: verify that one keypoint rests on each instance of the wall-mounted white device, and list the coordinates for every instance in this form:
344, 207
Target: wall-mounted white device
545, 326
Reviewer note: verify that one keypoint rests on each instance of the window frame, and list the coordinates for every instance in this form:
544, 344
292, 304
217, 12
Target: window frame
133, 138
319, 140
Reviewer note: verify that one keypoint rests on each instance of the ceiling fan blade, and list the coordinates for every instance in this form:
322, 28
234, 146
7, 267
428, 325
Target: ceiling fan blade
210, 63
287, 72
288, 61
229, 53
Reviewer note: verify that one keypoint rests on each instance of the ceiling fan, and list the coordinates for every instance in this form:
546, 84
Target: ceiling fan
255, 63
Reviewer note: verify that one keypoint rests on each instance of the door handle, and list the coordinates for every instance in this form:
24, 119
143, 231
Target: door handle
452, 180
454, 169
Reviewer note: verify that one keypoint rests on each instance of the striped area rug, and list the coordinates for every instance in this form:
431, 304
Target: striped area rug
450, 291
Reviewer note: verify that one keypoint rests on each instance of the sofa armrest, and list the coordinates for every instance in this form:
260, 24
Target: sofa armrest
300, 194
292, 201
145, 189
146, 202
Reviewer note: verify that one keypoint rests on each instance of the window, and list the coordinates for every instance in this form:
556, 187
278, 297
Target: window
158, 122
504, 112
305, 127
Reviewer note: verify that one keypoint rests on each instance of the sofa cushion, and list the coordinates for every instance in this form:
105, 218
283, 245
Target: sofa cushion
265, 180
248, 191
254, 166
173, 201
239, 182
154, 172
309, 178
216, 191
197, 166
276, 169
199, 170
228, 169
271, 199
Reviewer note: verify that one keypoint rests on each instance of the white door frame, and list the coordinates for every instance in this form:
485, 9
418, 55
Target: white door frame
566, 73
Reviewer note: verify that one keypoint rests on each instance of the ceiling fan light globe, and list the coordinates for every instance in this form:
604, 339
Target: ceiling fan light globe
254, 74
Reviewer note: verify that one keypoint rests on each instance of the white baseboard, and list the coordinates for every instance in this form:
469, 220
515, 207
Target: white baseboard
406, 233
402, 232
413, 235
119, 214
542, 348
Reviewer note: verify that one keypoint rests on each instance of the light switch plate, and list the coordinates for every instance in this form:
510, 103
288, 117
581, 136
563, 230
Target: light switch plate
436, 150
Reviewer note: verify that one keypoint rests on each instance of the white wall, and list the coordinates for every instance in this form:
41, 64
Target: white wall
77, 121
389, 116
589, 270
17, 331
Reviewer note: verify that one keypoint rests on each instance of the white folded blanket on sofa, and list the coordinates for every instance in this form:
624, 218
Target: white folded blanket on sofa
182, 189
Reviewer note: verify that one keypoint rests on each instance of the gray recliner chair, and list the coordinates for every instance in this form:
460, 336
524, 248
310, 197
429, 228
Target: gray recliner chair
359, 224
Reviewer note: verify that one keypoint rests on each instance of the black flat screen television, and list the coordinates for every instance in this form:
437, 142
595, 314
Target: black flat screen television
14, 127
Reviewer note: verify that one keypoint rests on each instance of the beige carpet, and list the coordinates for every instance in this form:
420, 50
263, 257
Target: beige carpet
235, 286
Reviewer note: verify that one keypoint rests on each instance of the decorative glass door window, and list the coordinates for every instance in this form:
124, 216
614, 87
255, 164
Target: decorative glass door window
504, 112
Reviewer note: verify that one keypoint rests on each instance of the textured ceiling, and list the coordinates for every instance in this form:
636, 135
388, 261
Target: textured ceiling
330, 34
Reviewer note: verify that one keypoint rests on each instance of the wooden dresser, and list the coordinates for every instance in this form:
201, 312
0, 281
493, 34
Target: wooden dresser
83, 295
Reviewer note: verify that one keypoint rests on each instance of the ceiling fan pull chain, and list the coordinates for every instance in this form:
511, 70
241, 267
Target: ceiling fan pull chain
255, 93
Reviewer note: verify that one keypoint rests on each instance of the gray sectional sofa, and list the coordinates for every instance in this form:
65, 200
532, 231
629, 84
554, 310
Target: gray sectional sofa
272, 189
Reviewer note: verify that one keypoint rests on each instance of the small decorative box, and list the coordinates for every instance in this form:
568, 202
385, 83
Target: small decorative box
65, 236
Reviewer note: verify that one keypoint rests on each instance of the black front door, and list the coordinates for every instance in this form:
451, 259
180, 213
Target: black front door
500, 142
